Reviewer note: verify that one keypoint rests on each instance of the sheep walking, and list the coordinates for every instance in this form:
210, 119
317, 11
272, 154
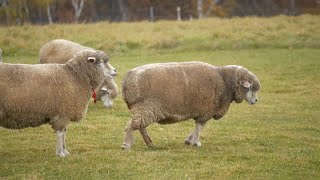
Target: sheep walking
61, 50
33, 95
171, 92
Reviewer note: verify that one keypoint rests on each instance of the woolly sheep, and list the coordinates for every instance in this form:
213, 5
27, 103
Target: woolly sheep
61, 50
52, 93
171, 92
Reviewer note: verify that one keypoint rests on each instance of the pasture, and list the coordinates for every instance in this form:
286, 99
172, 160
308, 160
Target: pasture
278, 138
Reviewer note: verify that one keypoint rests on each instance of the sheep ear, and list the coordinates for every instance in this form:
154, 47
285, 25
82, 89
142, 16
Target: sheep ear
104, 88
246, 84
91, 59
101, 60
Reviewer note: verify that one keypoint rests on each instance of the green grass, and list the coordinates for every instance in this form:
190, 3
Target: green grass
278, 138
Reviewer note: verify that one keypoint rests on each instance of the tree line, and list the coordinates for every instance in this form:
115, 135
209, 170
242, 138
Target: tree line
18, 12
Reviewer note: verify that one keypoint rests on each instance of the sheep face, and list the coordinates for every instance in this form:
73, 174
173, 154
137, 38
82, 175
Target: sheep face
248, 90
99, 61
106, 99
111, 70
109, 67
252, 90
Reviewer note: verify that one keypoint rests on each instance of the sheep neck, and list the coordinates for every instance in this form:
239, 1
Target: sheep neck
229, 76
82, 78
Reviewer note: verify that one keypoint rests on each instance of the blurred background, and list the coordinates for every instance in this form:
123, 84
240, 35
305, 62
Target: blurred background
19, 12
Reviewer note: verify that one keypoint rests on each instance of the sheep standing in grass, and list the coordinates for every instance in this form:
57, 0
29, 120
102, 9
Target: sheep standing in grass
171, 92
32, 95
61, 50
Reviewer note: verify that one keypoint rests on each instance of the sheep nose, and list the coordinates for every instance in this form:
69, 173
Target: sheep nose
114, 73
255, 101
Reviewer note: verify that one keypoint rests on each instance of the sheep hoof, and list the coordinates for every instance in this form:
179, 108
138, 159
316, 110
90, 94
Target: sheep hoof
187, 142
150, 146
197, 144
66, 152
125, 146
61, 154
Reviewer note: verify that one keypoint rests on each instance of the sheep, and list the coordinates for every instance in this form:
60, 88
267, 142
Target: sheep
61, 50
53, 94
107, 91
172, 92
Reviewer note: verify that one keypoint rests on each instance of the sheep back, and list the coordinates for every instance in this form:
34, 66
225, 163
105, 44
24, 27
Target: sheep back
59, 51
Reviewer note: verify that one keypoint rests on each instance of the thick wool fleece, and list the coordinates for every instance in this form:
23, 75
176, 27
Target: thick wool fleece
61, 50
172, 92
32, 95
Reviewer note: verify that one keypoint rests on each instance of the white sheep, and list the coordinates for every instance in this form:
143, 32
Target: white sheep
61, 50
33, 95
171, 92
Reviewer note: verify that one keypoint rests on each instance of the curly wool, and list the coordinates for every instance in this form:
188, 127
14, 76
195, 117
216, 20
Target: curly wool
32, 95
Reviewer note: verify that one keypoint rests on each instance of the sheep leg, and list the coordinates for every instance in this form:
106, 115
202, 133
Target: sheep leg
193, 137
60, 143
146, 137
139, 122
128, 138
65, 151
196, 136
189, 139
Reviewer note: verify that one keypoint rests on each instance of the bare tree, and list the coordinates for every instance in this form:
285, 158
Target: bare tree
199, 5
8, 17
292, 7
26, 8
49, 13
78, 6
123, 10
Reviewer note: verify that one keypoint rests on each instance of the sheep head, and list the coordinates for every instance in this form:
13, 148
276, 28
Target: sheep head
89, 65
248, 86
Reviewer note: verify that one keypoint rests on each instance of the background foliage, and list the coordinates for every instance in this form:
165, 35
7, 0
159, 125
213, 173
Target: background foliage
20, 12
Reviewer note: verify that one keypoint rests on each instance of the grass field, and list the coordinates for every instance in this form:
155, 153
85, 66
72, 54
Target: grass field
278, 138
